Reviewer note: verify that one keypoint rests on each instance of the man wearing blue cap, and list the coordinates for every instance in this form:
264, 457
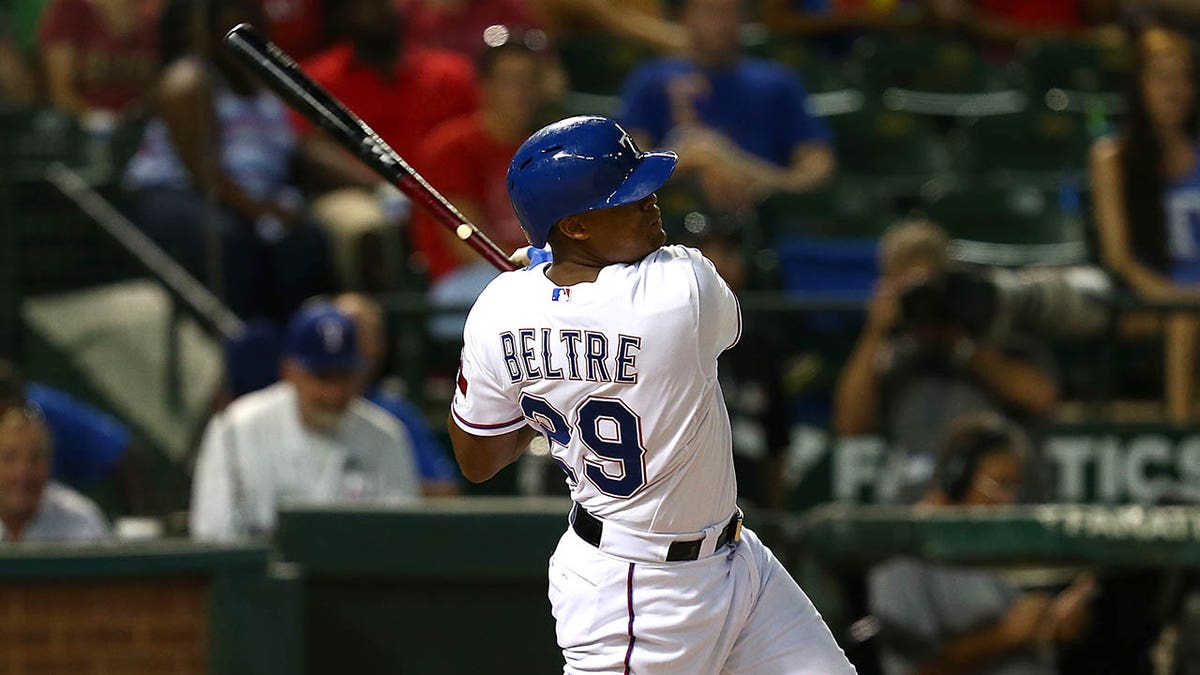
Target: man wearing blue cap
309, 438
610, 351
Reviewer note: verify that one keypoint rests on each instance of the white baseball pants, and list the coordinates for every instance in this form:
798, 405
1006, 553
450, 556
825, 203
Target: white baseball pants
736, 612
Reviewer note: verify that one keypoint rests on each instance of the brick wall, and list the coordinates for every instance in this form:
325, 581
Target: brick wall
104, 627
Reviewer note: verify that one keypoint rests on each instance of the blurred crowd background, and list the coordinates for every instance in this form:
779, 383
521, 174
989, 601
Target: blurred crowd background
965, 234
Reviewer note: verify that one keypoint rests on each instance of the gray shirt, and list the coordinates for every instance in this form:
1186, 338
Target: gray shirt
921, 606
63, 515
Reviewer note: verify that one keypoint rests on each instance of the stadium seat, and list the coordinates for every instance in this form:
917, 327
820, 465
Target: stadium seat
32, 139
820, 75
842, 210
824, 241
599, 64
1041, 144
931, 75
1074, 76
898, 150
1011, 224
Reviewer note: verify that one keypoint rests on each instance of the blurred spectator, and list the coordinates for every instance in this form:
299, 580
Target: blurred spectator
90, 446
942, 618
1146, 200
400, 90
99, 56
310, 438
297, 26
22, 17
32, 507
1005, 22
751, 377
439, 474
458, 25
640, 21
825, 18
739, 124
916, 366
467, 159
213, 175
17, 84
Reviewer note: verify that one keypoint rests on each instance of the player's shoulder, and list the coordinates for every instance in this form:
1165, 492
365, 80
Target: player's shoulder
675, 259
257, 406
69, 505
373, 415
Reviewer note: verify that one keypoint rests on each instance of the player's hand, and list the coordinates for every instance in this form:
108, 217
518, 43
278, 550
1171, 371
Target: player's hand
528, 256
1022, 622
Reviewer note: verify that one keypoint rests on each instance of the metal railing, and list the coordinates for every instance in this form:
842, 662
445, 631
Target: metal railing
187, 296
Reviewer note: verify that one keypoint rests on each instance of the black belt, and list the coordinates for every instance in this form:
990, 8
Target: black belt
589, 528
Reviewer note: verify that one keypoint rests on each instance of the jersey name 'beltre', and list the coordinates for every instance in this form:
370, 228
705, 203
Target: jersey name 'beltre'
570, 354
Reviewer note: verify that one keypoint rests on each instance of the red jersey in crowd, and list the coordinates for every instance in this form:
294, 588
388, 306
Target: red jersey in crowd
297, 26
111, 68
1041, 13
461, 31
465, 162
426, 88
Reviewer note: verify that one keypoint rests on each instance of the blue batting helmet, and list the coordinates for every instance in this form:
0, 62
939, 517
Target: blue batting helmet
580, 164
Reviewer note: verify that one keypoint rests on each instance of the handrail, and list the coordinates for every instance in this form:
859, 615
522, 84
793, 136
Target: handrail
201, 304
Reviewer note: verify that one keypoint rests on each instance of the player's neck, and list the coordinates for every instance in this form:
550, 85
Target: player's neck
570, 272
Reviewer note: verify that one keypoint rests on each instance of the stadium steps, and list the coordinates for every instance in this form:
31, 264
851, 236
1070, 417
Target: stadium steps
114, 338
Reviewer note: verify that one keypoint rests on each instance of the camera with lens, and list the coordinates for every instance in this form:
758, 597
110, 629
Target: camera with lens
992, 302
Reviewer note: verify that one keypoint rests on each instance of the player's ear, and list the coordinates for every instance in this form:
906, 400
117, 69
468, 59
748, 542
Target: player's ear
572, 227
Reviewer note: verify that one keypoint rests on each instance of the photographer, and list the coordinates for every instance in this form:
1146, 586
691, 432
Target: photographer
950, 619
930, 353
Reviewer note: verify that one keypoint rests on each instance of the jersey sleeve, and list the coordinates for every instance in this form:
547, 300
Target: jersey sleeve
720, 317
481, 404
211, 517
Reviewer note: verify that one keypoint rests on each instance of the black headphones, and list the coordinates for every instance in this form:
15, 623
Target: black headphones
967, 444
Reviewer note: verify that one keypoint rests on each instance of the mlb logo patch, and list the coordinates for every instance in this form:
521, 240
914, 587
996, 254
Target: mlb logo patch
561, 295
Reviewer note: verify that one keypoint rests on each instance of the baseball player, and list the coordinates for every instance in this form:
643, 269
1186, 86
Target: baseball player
610, 351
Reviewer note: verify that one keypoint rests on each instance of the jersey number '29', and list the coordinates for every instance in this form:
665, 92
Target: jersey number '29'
610, 430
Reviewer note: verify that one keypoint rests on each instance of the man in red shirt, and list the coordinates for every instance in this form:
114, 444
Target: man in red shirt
402, 92
98, 56
458, 25
1005, 22
467, 158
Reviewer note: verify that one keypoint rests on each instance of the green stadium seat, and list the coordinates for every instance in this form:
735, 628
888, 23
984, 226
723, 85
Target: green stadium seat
1010, 224
898, 150
31, 139
1037, 145
820, 75
599, 64
1075, 76
844, 209
931, 75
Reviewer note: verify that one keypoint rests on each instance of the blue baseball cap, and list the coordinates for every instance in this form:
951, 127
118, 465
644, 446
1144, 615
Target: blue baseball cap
323, 339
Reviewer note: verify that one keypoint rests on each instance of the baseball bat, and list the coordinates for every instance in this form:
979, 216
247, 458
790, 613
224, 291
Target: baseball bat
281, 74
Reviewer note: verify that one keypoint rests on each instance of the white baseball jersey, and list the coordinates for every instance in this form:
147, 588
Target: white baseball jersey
621, 375
257, 454
63, 515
